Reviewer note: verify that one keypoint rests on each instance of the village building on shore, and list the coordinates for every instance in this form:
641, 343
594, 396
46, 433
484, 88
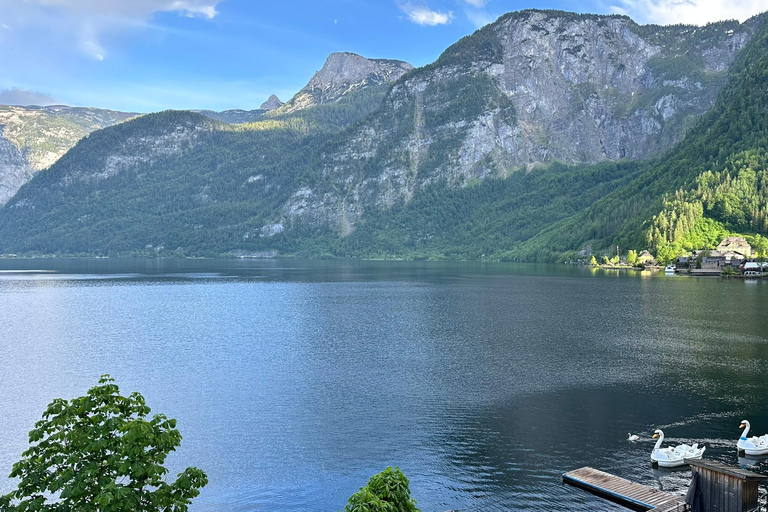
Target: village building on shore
731, 256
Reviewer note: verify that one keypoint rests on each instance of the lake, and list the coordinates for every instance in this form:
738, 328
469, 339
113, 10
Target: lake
293, 382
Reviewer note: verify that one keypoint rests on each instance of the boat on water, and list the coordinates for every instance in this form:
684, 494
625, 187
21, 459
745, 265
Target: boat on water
752, 445
675, 456
670, 269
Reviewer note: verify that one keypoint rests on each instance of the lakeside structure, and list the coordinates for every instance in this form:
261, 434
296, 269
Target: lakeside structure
731, 257
714, 487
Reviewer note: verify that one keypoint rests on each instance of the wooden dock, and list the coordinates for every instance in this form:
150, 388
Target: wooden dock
619, 490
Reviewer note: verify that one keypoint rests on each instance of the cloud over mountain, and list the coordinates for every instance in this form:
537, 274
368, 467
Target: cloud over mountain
697, 12
17, 96
423, 15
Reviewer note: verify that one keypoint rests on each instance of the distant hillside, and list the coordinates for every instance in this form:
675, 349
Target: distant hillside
33, 138
175, 182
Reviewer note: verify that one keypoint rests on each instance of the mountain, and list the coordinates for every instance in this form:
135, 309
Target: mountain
533, 87
713, 184
33, 138
175, 182
272, 103
343, 72
537, 134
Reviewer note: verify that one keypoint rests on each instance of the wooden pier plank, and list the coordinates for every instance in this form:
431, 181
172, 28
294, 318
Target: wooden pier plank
624, 492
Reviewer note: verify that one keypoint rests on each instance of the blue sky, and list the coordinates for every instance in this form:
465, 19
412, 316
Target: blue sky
148, 55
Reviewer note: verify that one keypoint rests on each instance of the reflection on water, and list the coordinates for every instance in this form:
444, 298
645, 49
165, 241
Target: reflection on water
294, 381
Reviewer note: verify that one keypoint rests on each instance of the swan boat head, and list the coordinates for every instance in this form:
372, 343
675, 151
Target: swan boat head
755, 445
743, 440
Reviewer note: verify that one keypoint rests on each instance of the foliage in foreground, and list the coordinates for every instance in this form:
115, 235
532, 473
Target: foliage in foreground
100, 453
387, 491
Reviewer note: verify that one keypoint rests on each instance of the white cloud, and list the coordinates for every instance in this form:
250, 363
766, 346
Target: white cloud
695, 12
480, 18
92, 21
135, 8
423, 15
477, 3
16, 96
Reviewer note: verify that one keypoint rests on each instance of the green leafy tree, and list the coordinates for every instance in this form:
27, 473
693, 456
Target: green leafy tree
631, 257
101, 453
387, 491
606, 260
593, 261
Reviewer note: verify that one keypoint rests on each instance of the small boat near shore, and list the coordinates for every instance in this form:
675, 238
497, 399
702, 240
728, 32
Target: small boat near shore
670, 269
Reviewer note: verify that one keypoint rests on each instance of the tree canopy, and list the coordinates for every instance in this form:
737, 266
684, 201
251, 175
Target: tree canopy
387, 491
101, 453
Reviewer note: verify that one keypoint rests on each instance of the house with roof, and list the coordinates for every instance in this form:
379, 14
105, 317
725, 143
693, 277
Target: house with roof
737, 245
646, 258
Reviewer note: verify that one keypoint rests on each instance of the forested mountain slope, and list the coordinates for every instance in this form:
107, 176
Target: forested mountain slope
492, 151
712, 183
173, 180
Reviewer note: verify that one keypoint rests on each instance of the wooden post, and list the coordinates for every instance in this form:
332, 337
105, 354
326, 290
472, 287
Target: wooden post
726, 489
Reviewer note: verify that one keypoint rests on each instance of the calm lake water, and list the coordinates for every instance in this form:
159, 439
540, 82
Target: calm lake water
293, 382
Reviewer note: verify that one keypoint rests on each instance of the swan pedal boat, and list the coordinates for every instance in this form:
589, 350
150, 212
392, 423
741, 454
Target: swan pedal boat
674, 456
752, 445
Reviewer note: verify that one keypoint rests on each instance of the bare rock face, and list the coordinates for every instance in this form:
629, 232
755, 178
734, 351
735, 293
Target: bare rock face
272, 103
533, 87
33, 138
342, 73
14, 169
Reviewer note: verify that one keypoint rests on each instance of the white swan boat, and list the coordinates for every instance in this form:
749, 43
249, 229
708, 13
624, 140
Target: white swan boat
752, 445
674, 456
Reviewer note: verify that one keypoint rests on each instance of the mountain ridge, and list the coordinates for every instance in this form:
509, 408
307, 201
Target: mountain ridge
468, 133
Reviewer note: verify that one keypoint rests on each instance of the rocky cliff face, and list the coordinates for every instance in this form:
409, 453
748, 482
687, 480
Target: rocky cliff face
341, 73
535, 86
33, 138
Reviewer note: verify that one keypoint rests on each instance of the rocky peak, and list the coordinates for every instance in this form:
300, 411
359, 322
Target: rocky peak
342, 73
272, 103
342, 70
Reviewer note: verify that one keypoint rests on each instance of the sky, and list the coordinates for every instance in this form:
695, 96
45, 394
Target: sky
150, 55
